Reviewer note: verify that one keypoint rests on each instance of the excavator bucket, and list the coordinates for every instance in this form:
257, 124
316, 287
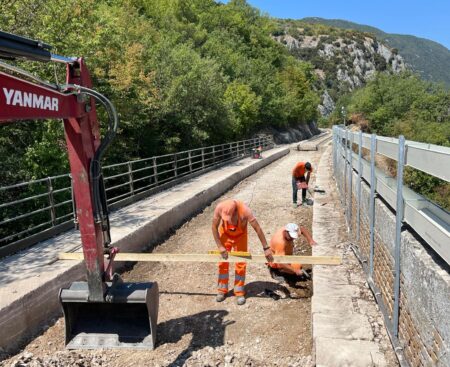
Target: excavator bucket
127, 319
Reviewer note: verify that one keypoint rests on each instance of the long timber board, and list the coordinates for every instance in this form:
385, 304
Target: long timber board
212, 258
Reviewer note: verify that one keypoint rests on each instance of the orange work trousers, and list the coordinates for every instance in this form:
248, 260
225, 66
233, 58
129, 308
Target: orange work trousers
236, 244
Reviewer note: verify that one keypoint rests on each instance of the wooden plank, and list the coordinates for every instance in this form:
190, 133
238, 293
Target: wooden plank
259, 259
232, 253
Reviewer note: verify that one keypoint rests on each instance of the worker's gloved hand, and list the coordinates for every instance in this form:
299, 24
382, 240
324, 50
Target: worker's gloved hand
268, 254
223, 252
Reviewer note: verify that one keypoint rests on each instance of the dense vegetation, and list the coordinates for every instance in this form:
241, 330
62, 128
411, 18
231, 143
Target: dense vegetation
428, 58
182, 73
391, 105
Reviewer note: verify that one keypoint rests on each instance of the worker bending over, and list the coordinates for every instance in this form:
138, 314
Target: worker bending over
229, 228
300, 181
282, 243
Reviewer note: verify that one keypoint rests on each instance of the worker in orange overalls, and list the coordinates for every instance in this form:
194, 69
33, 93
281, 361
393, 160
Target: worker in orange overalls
282, 243
300, 181
229, 228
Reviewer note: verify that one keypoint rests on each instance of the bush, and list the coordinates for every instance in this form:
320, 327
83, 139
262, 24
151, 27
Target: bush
403, 104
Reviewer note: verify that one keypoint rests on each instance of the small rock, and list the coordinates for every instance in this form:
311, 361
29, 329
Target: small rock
228, 358
27, 356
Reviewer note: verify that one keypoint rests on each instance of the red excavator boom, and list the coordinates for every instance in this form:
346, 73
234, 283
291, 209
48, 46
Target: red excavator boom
104, 311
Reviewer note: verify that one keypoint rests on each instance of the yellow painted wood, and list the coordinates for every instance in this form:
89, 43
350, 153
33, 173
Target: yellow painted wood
259, 259
232, 253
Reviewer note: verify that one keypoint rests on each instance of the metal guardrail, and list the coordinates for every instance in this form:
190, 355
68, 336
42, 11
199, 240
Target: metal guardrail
427, 219
36, 210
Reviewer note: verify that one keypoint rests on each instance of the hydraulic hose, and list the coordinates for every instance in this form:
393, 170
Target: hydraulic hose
99, 197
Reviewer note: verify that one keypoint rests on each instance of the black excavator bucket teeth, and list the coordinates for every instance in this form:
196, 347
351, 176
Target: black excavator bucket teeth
127, 319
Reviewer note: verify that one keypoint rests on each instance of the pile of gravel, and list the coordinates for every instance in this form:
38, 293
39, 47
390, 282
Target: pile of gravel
224, 356
64, 358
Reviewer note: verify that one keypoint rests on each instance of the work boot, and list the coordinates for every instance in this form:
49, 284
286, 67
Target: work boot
240, 300
294, 205
220, 297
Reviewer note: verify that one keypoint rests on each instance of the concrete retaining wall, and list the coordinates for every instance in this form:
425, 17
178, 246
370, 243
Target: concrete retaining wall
424, 317
32, 300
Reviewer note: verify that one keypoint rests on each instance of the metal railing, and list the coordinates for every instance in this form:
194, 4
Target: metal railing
428, 220
36, 210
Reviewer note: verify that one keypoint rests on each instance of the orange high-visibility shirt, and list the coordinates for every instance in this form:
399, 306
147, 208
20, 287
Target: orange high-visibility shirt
299, 170
280, 246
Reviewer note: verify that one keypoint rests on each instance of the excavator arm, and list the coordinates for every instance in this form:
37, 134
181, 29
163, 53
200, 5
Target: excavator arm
103, 298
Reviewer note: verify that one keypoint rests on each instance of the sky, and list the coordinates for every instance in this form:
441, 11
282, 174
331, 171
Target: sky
422, 18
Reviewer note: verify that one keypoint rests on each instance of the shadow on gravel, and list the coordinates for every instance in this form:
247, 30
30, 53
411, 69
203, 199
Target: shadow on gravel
207, 329
190, 293
260, 289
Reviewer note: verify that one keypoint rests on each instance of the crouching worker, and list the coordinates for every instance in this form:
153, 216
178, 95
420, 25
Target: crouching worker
282, 243
229, 228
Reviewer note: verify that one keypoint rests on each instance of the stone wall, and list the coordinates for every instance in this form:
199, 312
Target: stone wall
293, 134
424, 315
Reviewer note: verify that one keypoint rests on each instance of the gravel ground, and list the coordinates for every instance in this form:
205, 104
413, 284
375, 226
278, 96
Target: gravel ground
194, 330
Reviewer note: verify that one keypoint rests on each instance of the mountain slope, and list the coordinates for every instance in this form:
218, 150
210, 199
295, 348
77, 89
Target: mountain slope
430, 59
343, 60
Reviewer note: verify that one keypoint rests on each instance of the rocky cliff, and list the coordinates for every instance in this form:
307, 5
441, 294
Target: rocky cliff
293, 134
343, 60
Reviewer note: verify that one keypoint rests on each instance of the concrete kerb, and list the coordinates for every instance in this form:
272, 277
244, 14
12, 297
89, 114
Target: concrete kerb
25, 315
336, 342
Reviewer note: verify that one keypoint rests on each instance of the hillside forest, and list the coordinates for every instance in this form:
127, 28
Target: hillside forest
182, 74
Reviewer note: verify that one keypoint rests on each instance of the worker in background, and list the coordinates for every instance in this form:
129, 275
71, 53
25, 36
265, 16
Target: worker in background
299, 180
282, 243
229, 228
257, 153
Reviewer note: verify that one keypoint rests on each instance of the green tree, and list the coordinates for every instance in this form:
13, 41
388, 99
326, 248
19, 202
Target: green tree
244, 105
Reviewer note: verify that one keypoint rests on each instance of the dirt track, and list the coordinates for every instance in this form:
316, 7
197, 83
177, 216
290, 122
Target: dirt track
193, 329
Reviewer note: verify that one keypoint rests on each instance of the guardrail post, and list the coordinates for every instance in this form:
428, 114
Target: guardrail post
350, 183
51, 200
344, 200
214, 155
373, 143
175, 165
190, 161
334, 150
337, 159
340, 160
358, 208
130, 178
203, 158
155, 171
398, 231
